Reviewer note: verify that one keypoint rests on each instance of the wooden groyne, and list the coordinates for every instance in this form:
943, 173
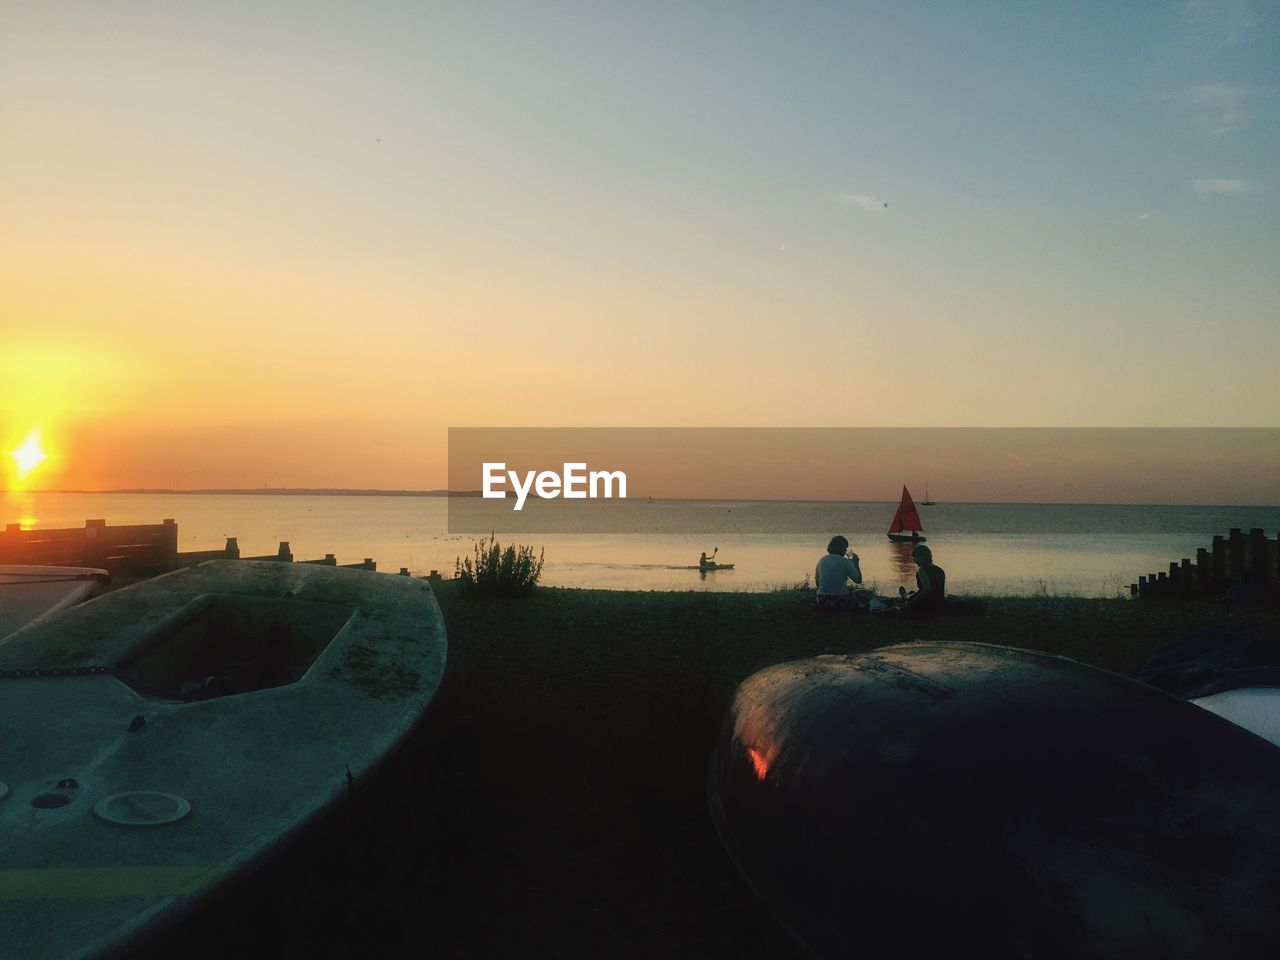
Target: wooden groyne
1238, 558
136, 550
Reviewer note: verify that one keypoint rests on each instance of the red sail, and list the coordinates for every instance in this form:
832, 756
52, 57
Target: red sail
906, 518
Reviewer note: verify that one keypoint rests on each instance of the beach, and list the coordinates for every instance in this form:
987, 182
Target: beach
625, 286
552, 800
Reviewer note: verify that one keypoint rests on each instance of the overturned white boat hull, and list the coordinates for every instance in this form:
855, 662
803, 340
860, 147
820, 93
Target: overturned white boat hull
167, 738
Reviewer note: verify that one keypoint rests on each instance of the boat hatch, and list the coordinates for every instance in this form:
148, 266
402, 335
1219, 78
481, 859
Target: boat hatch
223, 644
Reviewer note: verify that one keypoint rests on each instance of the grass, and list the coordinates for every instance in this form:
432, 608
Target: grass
553, 800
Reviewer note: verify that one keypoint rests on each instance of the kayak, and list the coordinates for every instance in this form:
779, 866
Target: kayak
166, 739
930, 795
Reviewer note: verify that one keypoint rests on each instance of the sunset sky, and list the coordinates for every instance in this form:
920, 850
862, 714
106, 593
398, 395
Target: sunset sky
290, 244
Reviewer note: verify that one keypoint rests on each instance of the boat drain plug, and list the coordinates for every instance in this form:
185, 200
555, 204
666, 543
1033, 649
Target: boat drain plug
142, 808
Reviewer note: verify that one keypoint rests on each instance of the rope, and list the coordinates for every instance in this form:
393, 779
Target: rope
26, 673
44, 578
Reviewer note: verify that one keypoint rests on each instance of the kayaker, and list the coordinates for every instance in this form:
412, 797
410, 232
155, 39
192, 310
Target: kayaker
704, 561
833, 573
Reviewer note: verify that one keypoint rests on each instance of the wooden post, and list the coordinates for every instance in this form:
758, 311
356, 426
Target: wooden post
169, 546
1203, 571
404, 572
1186, 578
283, 554
233, 548
1219, 563
1235, 555
95, 547
10, 542
1142, 587
1257, 562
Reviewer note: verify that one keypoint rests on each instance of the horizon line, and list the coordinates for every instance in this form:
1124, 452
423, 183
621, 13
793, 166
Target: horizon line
475, 494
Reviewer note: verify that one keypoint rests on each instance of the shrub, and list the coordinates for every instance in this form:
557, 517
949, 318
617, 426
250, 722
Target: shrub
791, 587
499, 572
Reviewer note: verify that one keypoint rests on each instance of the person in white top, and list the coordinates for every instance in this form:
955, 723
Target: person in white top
836, 569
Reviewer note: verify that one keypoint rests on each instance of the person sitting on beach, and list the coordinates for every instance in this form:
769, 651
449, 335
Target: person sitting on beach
833, 573
931, 585
1244, 591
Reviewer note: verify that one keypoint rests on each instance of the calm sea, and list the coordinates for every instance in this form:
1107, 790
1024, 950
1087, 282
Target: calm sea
1023, 549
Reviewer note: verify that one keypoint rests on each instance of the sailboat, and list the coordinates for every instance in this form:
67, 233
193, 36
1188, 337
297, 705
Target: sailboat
907, 518
926, 502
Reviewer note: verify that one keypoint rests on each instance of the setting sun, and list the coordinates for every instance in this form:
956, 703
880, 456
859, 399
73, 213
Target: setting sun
29, 455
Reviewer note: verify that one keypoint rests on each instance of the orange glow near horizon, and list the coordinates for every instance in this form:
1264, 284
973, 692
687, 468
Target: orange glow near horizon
27, 457
212, 277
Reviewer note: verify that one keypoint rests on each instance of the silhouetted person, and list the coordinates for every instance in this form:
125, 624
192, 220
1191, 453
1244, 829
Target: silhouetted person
931, 585
833, 573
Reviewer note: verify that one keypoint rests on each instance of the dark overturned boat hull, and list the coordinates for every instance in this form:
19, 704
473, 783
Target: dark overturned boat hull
933, 795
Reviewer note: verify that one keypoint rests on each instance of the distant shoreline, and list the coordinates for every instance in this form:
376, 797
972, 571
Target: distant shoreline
375, 492
283, 492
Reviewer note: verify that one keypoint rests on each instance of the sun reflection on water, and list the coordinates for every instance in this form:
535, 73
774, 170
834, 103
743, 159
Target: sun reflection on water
20, 508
